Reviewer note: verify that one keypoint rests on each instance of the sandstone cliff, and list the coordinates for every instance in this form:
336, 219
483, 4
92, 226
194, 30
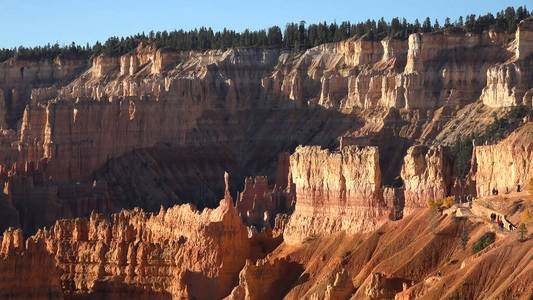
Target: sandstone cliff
427, 72
509, 83
427, 173
241, 106
120, 93
506, 164
19, 77
335, 191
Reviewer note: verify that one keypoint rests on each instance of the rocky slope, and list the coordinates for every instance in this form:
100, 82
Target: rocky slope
181, 253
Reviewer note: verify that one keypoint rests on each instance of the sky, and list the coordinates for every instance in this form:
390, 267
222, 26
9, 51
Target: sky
38, 22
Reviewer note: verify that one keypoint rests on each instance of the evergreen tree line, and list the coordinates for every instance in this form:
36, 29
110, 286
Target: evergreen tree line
296, 36
47, 52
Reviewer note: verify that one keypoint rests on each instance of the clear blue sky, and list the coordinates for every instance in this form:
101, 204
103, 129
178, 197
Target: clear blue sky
37, 22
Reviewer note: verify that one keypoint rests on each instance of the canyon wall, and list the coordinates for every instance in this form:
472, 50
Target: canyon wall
154, 128
335, 191
243, 106
427, 173
19, 77
506, 164
342, 190
425, 72
93, 118
509, 83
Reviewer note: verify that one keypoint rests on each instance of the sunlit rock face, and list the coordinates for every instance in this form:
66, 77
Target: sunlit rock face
505, 165
509, 83
335, 191
174, 254
427, 173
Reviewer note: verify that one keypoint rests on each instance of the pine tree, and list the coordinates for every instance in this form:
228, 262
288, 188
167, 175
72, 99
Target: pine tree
274, 37
261, 41
464, 240
382, 29
470, 23
417, 26
460, 21
520, 15
522, 232
290, 36
436, 27
405, 29
447, 23
510, 18
395, 28
426, 27
302, 35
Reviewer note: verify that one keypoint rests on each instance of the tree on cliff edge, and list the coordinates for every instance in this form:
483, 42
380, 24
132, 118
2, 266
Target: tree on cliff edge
297, 36
426, 27
274, 37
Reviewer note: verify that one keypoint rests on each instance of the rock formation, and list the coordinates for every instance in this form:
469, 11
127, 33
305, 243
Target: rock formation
265, 279
26, 271
247, 105
427, 174
18, 78
341, 288
506, 164
335, 191
259, 203
179, 252
154, 128
509, 83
